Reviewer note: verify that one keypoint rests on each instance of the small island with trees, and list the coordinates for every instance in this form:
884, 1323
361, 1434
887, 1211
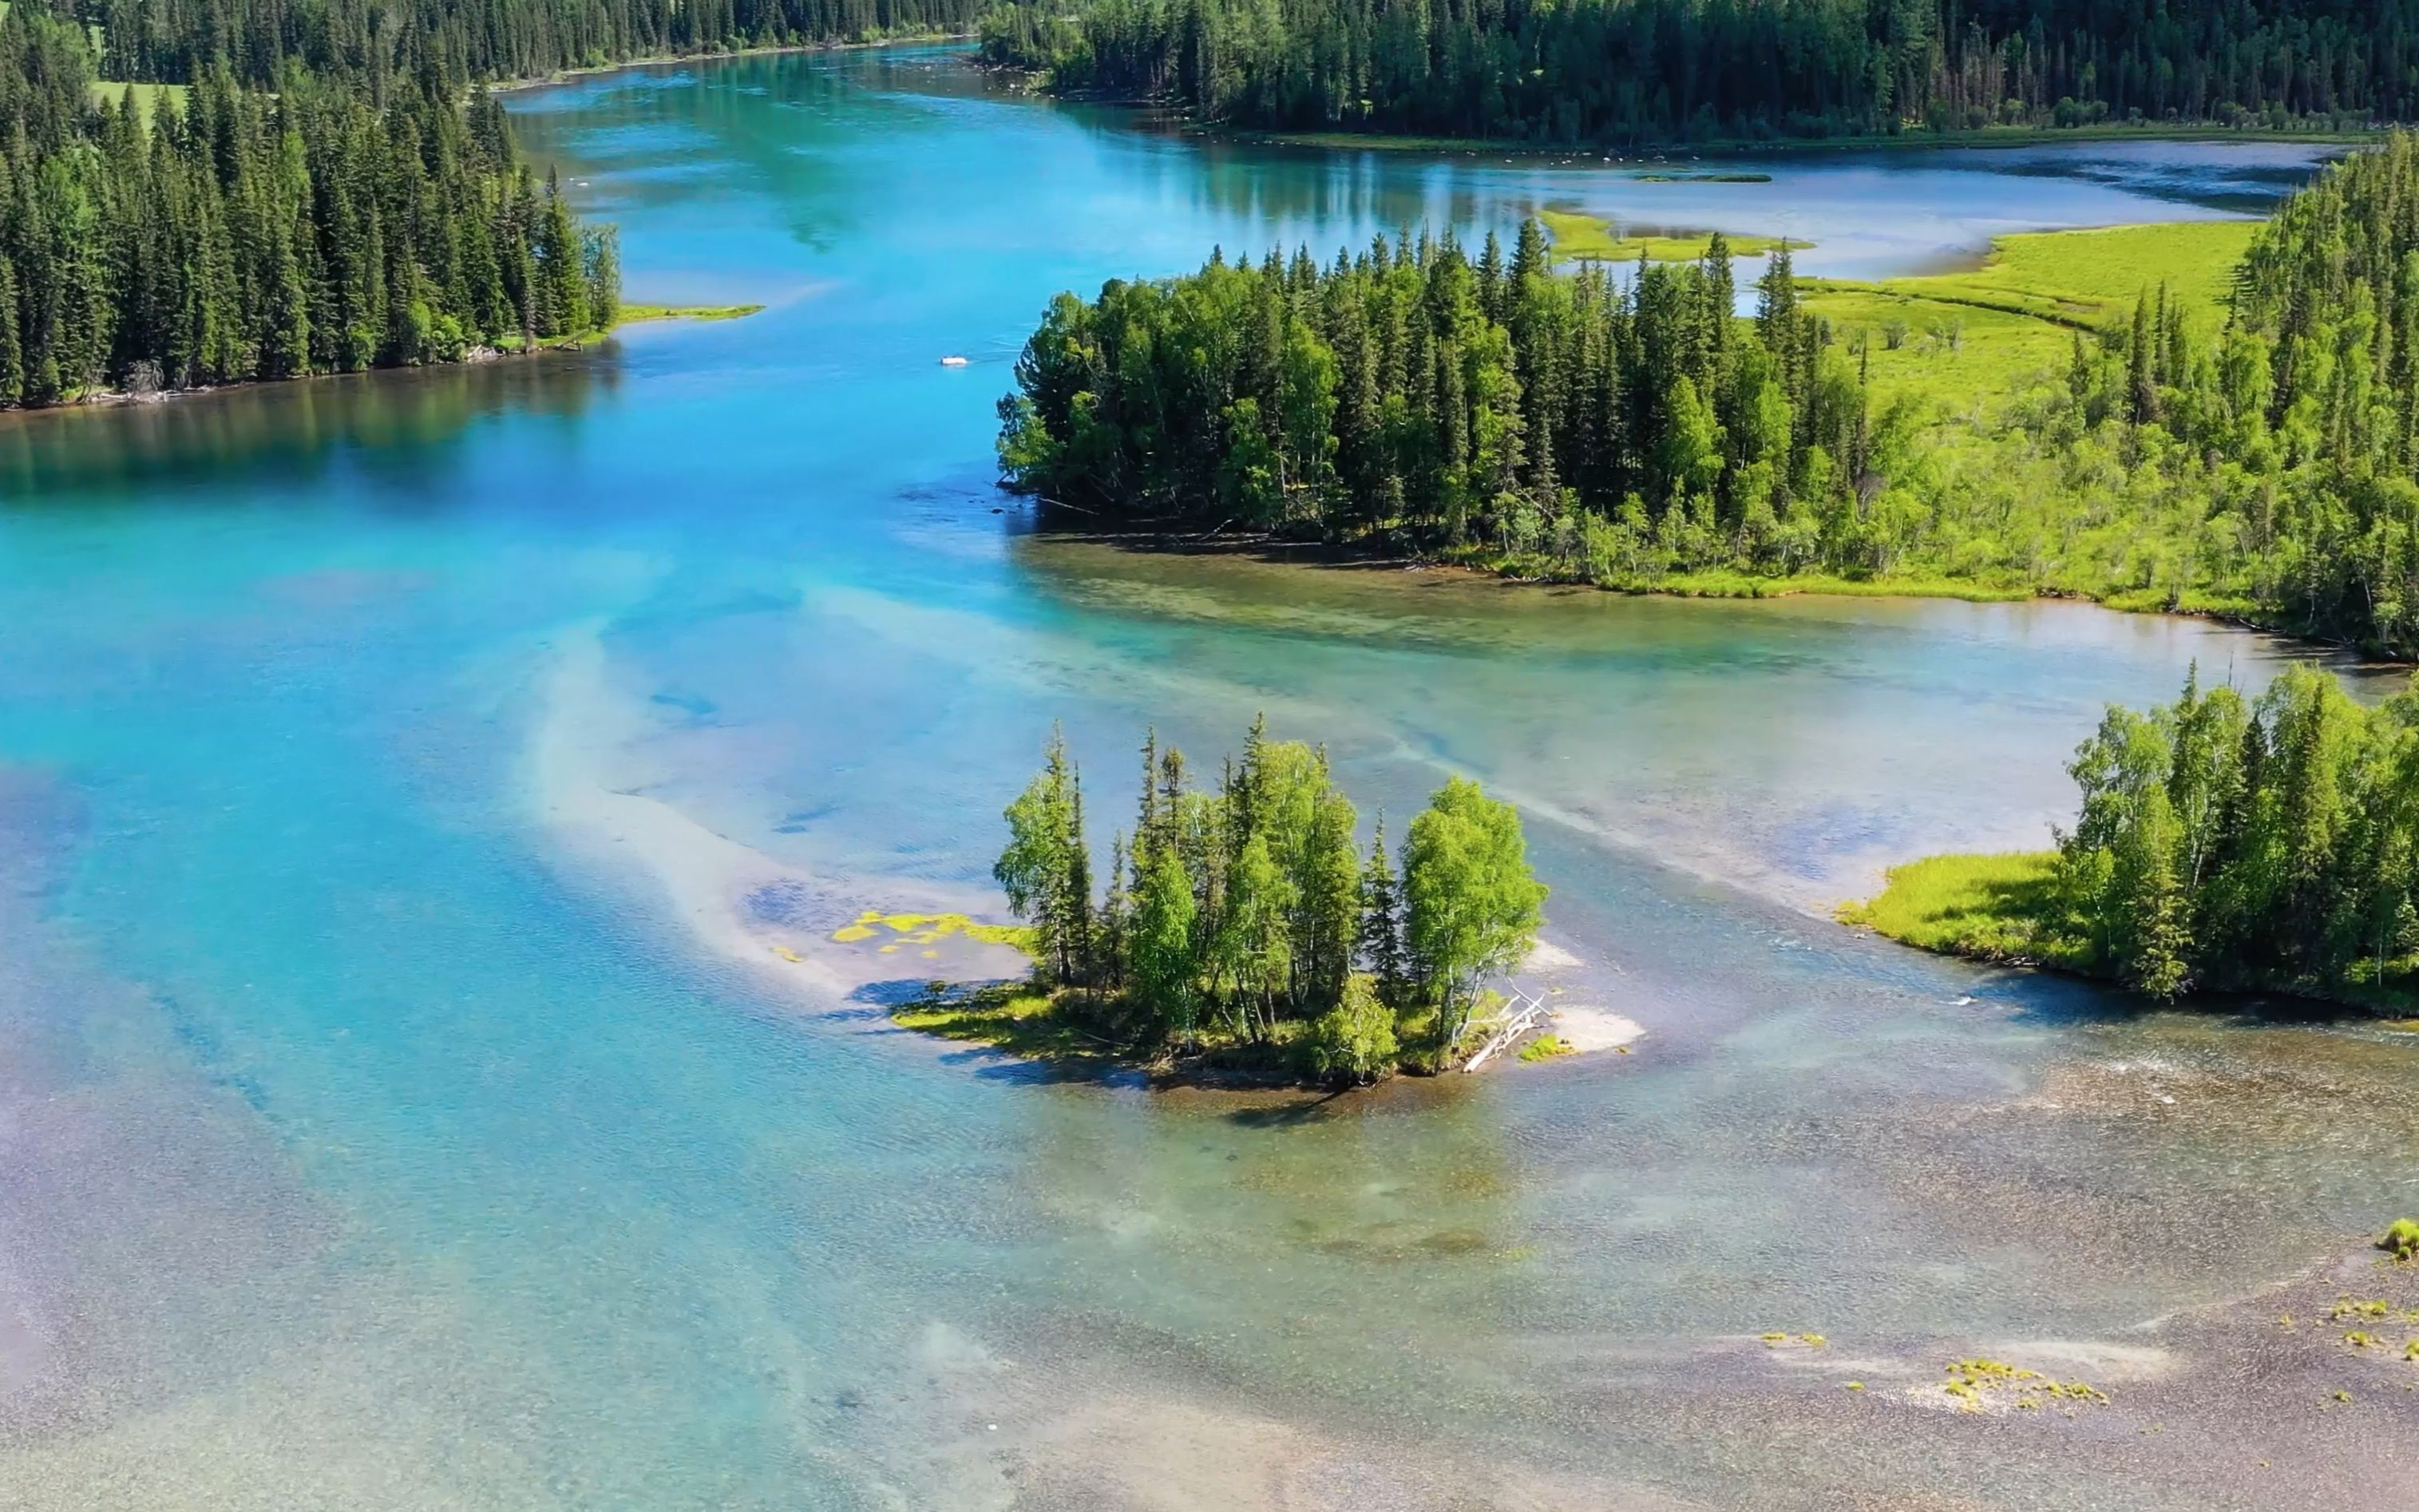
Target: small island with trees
2223, 844
1243, 936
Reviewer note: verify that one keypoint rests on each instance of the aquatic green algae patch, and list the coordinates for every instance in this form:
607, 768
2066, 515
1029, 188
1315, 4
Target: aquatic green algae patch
897, 931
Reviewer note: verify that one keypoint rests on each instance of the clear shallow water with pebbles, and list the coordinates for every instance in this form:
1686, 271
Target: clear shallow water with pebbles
408, 787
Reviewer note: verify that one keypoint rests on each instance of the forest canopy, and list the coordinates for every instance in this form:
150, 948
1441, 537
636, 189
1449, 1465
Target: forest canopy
1635, 71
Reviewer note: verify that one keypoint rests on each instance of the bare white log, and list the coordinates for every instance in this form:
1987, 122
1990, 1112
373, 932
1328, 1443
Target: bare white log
1531, 1013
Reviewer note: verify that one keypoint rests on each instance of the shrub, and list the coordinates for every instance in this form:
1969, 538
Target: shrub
2401, 1238
1354, 1041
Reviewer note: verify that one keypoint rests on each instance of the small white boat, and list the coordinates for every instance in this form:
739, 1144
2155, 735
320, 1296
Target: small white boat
953, 361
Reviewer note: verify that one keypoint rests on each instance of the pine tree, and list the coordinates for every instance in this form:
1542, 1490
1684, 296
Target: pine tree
1381, 925
2142, 356
601, 262
1110, 925
2157, 936
12, 351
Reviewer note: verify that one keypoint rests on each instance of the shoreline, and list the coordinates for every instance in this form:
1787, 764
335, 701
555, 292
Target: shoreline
1169, 119
1717, 585
1664, 154
1047, 1028
1973, 917
632, 315
1646, 154
657, 60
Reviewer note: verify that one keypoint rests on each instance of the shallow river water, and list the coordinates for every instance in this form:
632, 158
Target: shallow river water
413, 791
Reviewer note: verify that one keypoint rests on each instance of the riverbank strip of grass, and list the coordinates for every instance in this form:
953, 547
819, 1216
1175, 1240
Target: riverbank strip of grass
510, 347
632, 315
1538, 569
2001, 908
1727, 582
636, 314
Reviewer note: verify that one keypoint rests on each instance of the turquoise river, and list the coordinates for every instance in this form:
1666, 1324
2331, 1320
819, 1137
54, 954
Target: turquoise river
428, 1080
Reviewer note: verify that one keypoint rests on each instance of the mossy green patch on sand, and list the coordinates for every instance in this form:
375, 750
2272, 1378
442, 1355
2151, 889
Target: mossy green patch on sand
2001, 908
1546, 1047
1977, 1384
928, 929
1579, 237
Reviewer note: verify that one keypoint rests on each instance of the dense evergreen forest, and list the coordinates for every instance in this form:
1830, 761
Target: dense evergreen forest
2222, 843
1623, 428
181, 40
243, 236
1625, 71
1413, 394
266, 189
1244, 915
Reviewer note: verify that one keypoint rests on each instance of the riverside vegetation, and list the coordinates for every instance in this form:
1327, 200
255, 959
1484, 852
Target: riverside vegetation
1626, 71
264, 193
2221, 844
2239, 437
1242, 929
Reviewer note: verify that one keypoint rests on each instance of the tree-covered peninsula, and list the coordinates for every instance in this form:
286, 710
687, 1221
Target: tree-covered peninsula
2244, 439
1241, 928
1625, 72
2222, 843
